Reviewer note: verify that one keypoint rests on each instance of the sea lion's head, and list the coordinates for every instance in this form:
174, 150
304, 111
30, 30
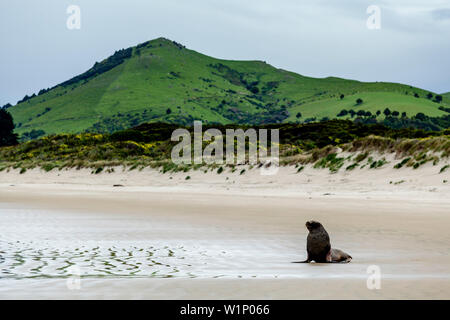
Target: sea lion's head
313, 225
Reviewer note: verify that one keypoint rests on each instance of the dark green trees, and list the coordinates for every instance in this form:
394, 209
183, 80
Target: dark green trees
421, 116
254, 90
7, 136
361, 113
31, 135
343, 113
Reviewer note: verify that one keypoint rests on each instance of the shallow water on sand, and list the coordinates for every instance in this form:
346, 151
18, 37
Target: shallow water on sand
51, 244
42, 244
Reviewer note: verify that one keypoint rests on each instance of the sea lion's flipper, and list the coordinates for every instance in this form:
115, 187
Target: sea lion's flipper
339, 256
306, 261
329, 257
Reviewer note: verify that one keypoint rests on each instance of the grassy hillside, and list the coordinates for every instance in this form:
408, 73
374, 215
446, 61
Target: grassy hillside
372, 101
160, 80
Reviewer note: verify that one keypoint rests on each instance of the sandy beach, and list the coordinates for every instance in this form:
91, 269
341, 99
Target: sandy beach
222, 236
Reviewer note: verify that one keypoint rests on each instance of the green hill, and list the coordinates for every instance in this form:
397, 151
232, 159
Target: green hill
161, 80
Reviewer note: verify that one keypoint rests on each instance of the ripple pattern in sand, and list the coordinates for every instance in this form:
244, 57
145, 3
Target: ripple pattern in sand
35, 244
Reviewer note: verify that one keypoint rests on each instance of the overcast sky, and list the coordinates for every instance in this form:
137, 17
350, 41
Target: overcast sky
316, 38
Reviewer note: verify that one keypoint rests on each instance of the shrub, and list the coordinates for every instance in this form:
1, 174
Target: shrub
98, 170
438, 99
31, 135
421, 116
377, 164
331, 161
401, 164
361, 113
254, 90
127, 135
48, 167
360, 157
343, 113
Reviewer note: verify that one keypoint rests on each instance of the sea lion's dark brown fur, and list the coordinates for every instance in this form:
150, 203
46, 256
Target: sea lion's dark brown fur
319, 248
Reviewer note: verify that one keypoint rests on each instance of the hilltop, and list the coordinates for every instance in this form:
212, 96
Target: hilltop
162, 81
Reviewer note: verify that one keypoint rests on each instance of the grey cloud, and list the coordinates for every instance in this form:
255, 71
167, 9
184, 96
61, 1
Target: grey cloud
441, 14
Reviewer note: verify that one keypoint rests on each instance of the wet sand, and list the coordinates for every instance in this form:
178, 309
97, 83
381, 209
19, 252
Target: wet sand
218, 241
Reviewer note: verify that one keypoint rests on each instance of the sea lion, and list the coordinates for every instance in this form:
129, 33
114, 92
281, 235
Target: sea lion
319, 248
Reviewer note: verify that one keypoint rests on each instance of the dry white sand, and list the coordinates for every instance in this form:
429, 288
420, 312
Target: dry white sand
223, 236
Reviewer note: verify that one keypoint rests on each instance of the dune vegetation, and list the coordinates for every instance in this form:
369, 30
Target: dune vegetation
330, 144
